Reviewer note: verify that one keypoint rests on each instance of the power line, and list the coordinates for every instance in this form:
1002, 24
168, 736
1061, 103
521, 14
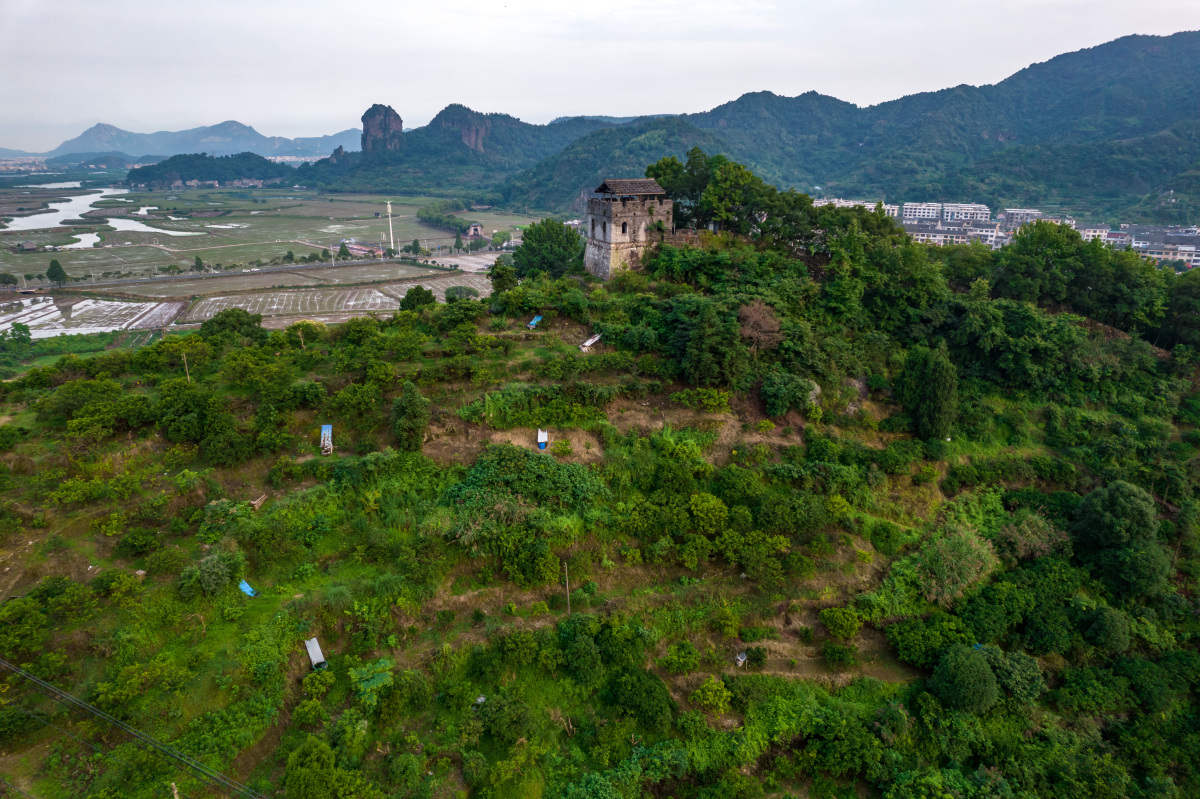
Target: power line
15, 788
213, 778
70, 734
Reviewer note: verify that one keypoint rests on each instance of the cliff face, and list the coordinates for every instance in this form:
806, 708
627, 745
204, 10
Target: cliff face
383, 130
472, 127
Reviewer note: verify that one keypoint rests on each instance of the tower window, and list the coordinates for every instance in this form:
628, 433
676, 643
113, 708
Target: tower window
604, 228
624, 227
593, 227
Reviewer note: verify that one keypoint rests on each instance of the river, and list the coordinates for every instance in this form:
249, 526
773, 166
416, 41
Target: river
76, 207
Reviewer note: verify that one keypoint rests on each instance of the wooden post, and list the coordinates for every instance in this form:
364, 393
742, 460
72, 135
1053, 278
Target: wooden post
185, 368
567, 572
301, 334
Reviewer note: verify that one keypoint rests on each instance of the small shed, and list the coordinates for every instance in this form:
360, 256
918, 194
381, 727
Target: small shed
315, 656
326, 439
27, 246
534, 322
475, 229
543, 438
740, 659
587, 345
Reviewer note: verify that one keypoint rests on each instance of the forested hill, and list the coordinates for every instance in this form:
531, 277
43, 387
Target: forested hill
564, 180
201, 166
1103, 131
826, 513
458, 149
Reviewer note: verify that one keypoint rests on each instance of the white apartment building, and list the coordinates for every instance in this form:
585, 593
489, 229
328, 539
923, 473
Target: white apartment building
1017, 217
966, 212
1090, 233
914, 212
891, 210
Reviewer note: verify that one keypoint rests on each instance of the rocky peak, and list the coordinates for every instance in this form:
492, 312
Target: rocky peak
383, 130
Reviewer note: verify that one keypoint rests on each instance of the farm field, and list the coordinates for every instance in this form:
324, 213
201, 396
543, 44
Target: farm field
47, 317
328, 304
233, 226
300, 276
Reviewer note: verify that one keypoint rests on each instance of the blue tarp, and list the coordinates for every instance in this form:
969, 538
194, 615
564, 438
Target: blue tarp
533, 324
246, 589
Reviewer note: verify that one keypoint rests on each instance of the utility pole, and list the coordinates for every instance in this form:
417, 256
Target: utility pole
567, 572
391, 238
185, 369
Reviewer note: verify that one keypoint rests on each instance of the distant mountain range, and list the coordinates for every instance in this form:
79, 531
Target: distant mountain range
227, 138
1112, 132
1108, 132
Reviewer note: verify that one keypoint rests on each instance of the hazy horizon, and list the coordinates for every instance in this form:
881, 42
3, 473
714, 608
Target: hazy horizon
287, 70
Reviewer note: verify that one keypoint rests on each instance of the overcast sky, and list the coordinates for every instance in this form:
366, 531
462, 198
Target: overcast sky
311, 67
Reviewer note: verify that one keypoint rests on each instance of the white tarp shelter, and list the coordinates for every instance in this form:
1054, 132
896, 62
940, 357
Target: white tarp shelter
314, 654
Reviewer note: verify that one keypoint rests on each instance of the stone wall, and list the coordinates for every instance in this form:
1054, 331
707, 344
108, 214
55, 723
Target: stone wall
619, 231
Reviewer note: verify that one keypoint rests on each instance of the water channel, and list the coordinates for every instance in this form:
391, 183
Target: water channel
76, 207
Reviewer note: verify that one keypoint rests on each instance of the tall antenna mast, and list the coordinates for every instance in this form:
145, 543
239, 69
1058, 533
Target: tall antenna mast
391, 238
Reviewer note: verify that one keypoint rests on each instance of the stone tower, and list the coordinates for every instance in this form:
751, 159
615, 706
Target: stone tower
620, 224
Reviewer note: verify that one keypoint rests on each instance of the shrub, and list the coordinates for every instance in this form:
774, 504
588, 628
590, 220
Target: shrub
562, 448
637, 693
310, 770
950, 564
839, 656
842, 623
712, 696
455, 293
1016, 673
416, 297
506, 718
964, 681
710, 400
756, 656
410, 418
1029, 536
783, 392
681, 658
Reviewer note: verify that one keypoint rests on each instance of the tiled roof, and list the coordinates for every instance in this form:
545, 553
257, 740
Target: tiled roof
630, 186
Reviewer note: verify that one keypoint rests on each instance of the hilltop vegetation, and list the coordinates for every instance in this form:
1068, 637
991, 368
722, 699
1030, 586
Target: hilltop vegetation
459, 149
939, 504
1106, 133
204, 167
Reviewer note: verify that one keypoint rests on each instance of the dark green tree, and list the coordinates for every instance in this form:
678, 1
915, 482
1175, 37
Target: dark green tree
56, 273
8, 279
236, 322
416, 297
199, 264
1108, 630
708, 348
928, 390
964, 681
310, 771
410, 418
783, 392
343, 251
458, 245
503, 276
551, 247
639, 693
